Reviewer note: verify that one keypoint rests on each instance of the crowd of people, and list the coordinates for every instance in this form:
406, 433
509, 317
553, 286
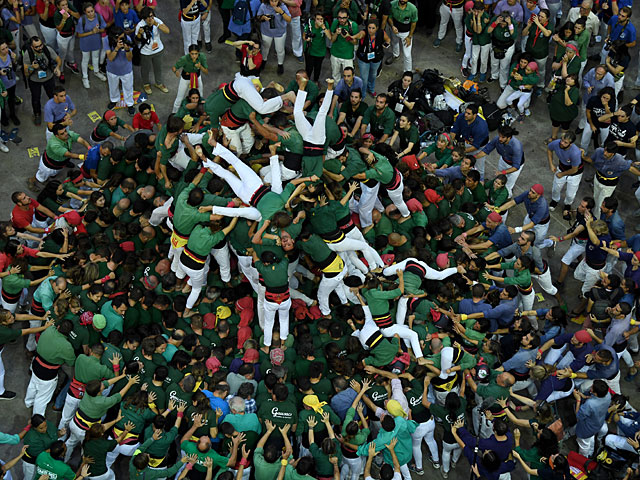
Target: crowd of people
294, 281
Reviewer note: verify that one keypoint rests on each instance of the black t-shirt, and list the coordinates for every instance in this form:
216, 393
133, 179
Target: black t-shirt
623, 132
396, 90
597, 110
351, 115
379, 8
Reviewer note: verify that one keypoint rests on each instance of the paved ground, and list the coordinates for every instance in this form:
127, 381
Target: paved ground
20, 163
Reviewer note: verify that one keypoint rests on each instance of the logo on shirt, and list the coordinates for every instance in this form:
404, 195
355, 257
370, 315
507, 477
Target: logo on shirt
378, 396
276, 413
173, 395
415, 401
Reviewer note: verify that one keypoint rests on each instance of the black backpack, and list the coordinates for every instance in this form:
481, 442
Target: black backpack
239, 13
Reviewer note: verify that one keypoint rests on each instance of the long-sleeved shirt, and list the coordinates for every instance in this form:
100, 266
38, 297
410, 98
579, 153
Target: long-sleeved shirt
511, 152
149, 473
402, 431
589, 80
502, 314
517, 363
449, 173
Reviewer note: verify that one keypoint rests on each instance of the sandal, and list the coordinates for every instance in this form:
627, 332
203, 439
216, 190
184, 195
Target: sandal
549, 140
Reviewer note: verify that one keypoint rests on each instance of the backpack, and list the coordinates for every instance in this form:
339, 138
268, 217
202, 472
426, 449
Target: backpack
239, 13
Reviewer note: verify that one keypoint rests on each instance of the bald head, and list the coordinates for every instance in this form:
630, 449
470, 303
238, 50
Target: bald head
148, 192
436, 345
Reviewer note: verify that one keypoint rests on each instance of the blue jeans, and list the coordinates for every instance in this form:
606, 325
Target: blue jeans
62, 396
368, 72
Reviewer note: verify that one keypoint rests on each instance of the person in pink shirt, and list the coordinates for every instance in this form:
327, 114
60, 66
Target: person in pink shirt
296, 30
105, 9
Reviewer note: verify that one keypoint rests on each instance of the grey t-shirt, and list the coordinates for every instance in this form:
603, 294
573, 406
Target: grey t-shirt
44, 72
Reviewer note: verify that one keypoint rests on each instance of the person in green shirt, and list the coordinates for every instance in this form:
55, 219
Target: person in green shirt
344, 37
50, 463
408, 135
266, 456
315, 34
564, 103
380, 119
538, 34
504, 31
442, 150
97, 446
192, 67
353, 435
57, 154
202, 449
274, 277
194, 259
39, 438
402, 20
522, 268
160, 447
477, 22
139, 467
327, 449
108, 127
498, 387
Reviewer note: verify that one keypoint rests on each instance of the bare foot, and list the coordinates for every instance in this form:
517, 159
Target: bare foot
330, 82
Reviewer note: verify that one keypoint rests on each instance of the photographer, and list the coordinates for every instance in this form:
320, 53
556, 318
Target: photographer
619, 28
315, 34
119, 68
151, 47
40, 64
8, 78
273, 16
503, 31
344, 37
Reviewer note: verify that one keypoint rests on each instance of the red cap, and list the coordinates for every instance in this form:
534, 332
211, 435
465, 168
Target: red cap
495, 217
73, 218
128, 246
539, 189
251, 356
109, 114
442, 260
411, 161
582, 336
210, 321
432, 196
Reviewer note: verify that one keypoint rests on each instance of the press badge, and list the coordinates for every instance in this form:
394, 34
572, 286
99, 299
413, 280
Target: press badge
42, 74
399, 107
371, 55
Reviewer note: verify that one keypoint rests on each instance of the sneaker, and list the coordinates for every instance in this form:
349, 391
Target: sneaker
37, 119
445, 474
437, 42
552, 205
465, 72
73, 67
85, 83
390, 60
435, 464
90, 67
527, 113
7, 395
131, 110
458, 47
472, 77
4, 148
100, 76
280, 69
453, 464
147, 89
208, 46
491, 80
482, 78
161, 87
300, 59
412, 467
110, 105
222, 38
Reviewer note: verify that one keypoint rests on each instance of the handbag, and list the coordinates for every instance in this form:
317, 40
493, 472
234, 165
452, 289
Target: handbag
558, 429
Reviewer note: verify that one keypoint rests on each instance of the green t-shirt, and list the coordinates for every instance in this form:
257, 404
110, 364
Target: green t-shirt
482, 38
191, 448
47, 465
280, 413
8, 334
317, 47
342, 48
379, 124
403, 17
98, 449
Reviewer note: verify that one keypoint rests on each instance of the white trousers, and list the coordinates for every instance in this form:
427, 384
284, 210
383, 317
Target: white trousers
39, 393
296, 36
44, 173
396, 197
76, 437
523, 98
351, 468
397, 41
270, 309
108, 475
50, 36
575, 250
571, 181
279, 45
450, 453
205, 27
240, 139
500, 67
65, 48
454, 14
316, 133
328, 285
545, 282
247, 181
126, 450
95, 61
589, 276
114, 82
512, 177
1, 374
69, 411
480, 52
9, 306
221, 255
424, 432
338, 65
410, 337
367, 202
600, 192
28, 470
190, 33
183, 89
197, 280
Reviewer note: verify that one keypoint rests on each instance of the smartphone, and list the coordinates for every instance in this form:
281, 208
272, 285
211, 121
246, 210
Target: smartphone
63, 11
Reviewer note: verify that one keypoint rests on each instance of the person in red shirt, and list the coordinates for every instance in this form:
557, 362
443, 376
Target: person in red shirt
146, 118
28, 214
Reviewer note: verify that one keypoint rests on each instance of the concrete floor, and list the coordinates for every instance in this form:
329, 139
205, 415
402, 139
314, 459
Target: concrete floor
21, 163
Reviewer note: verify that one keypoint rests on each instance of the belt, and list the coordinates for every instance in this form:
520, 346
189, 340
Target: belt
312, 150
383, 321
76, 388
374, 339
335, 267
83, 421
333, 237
277, 297
194, 256
395, 181
127, 438
609, 181
49, 163
155, 462
229, 93
258, 194
178, 240
11, 298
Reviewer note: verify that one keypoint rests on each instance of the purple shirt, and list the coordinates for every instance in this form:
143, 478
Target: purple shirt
55, 112
516, 11
119, 66
90, 43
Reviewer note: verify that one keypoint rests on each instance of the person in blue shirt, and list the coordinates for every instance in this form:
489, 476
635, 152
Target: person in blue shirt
89, 167
568, 172
499, 236
502, 315
517, 364
610, 166
537, 217
619, 28
471, 128
451, 173
511, 155
126, 17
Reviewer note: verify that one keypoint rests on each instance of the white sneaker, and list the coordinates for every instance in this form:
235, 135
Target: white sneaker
85, 83
100, 76
3, 147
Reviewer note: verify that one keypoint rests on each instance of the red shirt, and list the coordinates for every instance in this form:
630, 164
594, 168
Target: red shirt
20, 218
139, 122
40, 9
